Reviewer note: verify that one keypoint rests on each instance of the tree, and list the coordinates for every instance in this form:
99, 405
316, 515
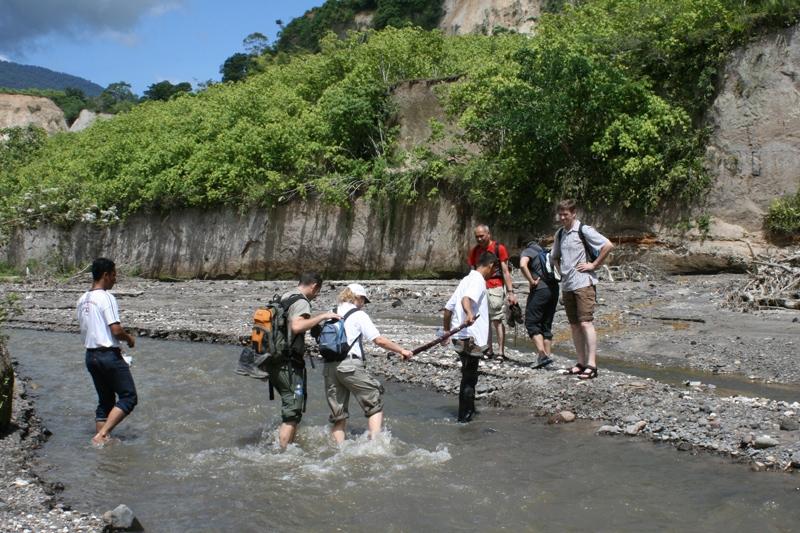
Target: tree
72, 101
256, 44
117, 97
236, 67
164, 90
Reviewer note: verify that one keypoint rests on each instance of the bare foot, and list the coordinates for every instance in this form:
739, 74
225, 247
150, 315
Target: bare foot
98, 441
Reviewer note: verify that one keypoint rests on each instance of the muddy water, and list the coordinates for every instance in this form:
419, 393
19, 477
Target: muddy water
198, 454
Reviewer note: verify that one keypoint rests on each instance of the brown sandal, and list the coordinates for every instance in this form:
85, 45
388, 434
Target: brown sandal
580, 367
591, 374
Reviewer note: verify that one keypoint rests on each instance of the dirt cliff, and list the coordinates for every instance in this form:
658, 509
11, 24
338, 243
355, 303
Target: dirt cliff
22, 110
754, 149
483, 16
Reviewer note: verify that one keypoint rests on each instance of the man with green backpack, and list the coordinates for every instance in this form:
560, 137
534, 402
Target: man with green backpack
287, 372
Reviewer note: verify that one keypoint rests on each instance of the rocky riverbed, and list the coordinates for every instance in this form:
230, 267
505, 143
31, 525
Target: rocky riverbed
677, 325
28, 502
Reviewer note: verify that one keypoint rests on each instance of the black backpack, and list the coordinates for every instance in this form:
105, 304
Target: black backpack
496, 251
548, 271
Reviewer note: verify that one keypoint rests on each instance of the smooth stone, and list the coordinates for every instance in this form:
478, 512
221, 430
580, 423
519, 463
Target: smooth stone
121, 517
765, 441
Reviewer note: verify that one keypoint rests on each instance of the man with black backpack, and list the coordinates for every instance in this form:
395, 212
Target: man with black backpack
288, 375
535, 264
580, 250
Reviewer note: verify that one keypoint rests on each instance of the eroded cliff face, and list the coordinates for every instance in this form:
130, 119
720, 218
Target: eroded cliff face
482, 16
366, 240
754, 150
22, 110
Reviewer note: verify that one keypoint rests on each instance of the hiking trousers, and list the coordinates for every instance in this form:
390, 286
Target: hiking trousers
470, 356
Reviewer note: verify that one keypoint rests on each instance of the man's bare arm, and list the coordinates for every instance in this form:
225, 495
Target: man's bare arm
301, 325
120, 334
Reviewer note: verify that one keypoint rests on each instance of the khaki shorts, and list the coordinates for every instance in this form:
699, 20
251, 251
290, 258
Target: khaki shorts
349, 376
497, 302
579, 304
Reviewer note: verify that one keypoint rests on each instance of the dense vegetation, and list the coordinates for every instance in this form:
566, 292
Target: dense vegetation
604, 103
16, 76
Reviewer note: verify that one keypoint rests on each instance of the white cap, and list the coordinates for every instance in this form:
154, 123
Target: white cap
358, 290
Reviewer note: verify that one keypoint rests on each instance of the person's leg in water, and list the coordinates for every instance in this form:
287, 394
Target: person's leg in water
287, 379
375, 424
113, 381
286, 434
469, 380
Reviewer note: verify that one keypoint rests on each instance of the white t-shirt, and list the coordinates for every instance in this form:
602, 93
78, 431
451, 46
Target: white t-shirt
359, 323
474, 287
97, 310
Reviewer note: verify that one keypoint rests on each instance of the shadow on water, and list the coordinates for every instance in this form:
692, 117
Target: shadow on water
198, 454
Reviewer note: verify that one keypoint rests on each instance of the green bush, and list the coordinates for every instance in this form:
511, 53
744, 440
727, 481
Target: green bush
783, 217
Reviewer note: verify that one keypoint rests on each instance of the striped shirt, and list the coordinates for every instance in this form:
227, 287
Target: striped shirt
570, 252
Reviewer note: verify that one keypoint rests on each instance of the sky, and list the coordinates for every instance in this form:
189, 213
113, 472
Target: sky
140, 42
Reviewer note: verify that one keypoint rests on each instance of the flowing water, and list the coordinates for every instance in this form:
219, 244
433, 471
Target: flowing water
198, 454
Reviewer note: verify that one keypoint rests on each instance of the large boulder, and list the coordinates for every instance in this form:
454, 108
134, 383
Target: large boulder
20, 110
86, 118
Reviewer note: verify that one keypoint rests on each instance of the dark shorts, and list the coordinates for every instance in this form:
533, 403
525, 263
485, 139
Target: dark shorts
287, 380
579, 304
112, 380
540, 310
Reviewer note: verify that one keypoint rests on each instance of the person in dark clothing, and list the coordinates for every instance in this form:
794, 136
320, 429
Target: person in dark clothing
542, 300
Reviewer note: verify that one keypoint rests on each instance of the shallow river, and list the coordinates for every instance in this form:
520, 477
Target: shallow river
198, 454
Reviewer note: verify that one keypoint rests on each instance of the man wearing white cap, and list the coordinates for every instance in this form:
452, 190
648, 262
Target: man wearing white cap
349, 376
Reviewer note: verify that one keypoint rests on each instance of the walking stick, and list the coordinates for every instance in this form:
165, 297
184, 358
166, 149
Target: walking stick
438, 340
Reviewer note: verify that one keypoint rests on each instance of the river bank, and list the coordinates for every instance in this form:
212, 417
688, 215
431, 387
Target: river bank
28, 501
675, 324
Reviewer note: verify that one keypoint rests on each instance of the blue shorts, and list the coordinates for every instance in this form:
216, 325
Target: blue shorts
112, 380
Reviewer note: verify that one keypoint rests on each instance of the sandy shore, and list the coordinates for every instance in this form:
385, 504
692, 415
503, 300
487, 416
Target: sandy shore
674, 327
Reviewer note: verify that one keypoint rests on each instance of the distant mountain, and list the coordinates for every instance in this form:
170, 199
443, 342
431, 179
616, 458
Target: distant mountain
16, 76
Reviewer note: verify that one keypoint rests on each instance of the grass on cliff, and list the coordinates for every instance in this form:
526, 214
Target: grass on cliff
604, 103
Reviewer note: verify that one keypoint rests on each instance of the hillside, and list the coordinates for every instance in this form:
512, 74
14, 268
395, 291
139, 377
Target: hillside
589, 106
17, 76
